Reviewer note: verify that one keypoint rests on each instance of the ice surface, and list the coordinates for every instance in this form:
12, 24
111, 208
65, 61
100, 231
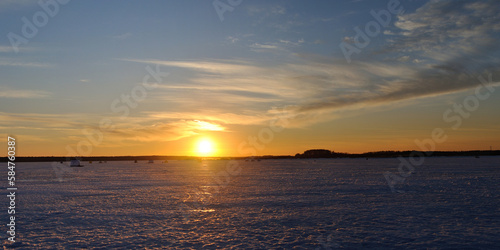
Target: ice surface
448, 202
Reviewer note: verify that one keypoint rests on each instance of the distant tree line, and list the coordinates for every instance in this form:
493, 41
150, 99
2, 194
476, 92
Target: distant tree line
325, 153
312, 153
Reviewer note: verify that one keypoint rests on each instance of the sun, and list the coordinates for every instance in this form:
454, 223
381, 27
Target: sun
205, 147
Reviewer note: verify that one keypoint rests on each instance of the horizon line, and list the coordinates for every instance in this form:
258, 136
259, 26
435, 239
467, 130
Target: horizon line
269, 155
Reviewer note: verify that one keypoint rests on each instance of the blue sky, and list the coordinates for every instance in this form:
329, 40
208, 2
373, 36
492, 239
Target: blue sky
226, 78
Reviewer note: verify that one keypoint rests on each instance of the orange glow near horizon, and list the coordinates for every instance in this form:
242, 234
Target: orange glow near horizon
205, 147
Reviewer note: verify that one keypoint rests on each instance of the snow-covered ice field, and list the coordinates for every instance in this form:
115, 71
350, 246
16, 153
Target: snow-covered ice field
448, 202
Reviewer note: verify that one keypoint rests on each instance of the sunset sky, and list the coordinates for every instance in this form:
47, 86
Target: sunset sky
255, 77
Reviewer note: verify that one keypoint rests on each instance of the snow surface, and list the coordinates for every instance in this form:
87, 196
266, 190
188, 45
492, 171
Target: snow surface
448, 202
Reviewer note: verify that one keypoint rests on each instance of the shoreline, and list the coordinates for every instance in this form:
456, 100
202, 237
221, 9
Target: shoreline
305, 155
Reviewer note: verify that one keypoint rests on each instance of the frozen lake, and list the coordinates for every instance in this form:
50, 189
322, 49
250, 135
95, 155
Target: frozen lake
449, 202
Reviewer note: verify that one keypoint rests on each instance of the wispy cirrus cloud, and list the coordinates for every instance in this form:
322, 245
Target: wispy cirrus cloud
204, 66
448, 31
46, 121
9, 49
160, 130
263, 46
6, 49
7, 92
214, 117
310, 86
439, 49
273, 16
10, 62
266, 10
147, 127
122, 36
